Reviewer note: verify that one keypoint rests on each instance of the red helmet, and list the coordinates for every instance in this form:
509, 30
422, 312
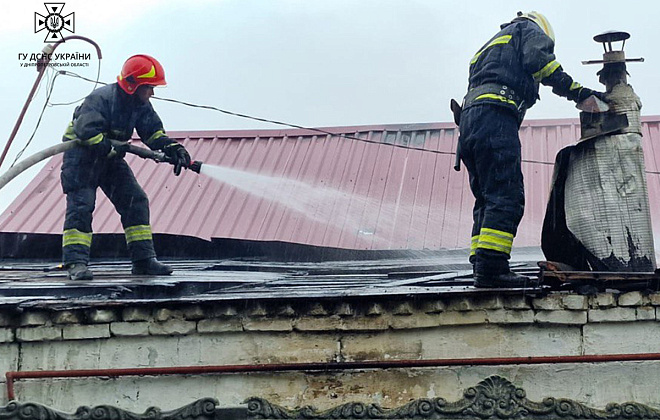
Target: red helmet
140, 70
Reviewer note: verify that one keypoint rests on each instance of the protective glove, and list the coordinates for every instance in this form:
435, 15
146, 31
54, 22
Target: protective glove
178, 156
584, 93
118, 150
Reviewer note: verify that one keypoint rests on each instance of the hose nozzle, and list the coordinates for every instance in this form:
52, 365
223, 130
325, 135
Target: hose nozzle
156, 155
195, 166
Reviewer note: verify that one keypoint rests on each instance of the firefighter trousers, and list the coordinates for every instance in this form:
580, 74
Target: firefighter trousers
82, 174
490, 150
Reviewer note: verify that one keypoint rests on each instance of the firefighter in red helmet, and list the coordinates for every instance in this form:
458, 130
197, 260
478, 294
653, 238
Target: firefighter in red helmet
113, 112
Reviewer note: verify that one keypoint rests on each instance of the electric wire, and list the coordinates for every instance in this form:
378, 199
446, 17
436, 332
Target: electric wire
49, 90
318, 130
285, 124
96, 83
50, 84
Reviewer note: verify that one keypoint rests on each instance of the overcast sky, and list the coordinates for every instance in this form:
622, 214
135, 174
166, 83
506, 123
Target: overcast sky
314, 63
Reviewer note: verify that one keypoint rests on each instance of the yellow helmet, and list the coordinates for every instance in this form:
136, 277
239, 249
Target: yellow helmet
540, 20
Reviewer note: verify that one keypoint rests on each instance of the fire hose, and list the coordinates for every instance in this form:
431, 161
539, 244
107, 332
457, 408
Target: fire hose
30, 161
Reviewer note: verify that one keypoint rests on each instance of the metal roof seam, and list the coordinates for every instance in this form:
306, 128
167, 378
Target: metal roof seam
247, 153
324, 156
413, 236
272, 226
275, 209
54, 203
279, 145
384, 208
177, 204
221, 189
215, 189
328, 232
230, 191
449, 176
289, 219
429, 209
307, 176
368, 217
254, 209
350, 178
48, 206
366, 230
345, 237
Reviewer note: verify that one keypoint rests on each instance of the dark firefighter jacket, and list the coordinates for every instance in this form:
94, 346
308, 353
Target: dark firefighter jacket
508, 69
109, 113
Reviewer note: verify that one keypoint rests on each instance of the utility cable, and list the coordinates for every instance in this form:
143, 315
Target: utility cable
285, 124
318, 130
49, 91
50, 84
96, 83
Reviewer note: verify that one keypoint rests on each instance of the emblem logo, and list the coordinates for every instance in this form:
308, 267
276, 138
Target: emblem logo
54, 22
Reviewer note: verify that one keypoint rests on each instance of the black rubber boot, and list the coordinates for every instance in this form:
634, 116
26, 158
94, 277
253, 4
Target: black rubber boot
79, 271
152, 267
506, 280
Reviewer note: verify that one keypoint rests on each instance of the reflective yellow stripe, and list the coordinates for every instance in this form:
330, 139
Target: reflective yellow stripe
473, 245
69, 133
76, 237
504, 39
546, 71
575, 85
501, 233
496, 240
150, 73
497, 97
93, 140
158, 134
138, 233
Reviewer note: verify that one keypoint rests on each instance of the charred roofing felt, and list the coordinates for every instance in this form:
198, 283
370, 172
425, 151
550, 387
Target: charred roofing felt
38, 285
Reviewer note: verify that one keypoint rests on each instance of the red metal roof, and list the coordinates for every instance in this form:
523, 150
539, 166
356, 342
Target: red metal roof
347, 194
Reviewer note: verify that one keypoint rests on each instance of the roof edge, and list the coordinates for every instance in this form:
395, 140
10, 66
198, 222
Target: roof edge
270, 132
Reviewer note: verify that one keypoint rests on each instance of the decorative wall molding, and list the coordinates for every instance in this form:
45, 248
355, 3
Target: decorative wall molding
204, 409
493, 398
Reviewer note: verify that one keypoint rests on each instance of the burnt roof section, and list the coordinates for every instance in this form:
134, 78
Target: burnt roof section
25, 285
39, 285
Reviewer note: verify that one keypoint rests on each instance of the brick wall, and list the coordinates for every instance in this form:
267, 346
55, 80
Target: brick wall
256, 332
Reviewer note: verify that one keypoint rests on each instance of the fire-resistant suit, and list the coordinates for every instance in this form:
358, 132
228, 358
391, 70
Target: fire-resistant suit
108, 113
503, 83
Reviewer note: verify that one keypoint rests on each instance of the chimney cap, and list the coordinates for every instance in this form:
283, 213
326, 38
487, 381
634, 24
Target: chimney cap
611, 55
612, 36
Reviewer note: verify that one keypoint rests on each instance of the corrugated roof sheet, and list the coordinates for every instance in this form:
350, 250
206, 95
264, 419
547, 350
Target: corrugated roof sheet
324, 190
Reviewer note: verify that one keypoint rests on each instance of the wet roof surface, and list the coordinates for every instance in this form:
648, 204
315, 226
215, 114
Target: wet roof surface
42, 285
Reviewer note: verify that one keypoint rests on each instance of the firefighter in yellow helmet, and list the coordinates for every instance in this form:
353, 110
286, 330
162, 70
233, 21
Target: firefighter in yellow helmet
503, 83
